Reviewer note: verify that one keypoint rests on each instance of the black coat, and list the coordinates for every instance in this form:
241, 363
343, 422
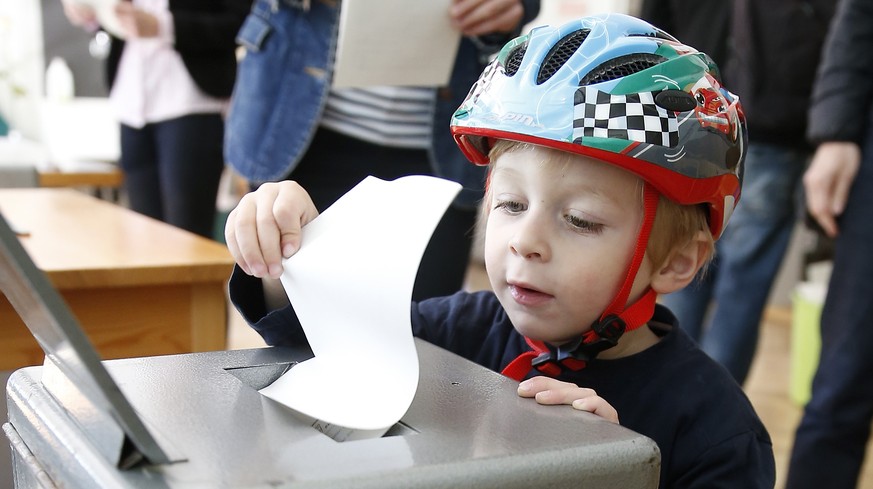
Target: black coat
206, 40
843, 98
775, 48
701, 24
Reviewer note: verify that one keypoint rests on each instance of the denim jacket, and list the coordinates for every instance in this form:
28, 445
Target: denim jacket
283, 82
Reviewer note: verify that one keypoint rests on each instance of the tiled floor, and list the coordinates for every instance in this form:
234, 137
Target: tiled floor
768, 390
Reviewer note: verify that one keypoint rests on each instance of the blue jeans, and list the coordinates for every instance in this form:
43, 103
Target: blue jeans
172, 170
722, 308
830, 442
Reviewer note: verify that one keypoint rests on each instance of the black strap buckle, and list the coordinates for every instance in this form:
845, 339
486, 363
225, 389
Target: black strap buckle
608, 331
544, 358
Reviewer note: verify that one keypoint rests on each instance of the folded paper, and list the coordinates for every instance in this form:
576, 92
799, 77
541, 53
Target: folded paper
351, 286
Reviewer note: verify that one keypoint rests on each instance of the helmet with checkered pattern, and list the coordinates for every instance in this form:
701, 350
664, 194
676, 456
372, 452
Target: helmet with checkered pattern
620, 90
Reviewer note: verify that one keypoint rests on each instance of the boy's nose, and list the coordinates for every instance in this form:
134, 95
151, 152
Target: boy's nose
529, 241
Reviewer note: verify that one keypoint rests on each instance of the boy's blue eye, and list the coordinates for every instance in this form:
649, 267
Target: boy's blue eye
509, 206
584, 225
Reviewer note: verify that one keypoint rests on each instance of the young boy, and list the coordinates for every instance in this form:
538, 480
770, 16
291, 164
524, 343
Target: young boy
615, 161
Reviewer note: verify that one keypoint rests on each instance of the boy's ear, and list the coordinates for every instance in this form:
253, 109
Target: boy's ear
682, 265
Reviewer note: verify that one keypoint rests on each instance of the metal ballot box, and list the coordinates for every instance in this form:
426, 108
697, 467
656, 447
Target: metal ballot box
466, 427
198, 421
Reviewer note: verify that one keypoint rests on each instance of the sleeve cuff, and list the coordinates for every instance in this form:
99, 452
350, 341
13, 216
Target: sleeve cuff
166, 27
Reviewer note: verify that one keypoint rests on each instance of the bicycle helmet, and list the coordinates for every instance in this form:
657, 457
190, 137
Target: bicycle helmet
618, 89
614, 88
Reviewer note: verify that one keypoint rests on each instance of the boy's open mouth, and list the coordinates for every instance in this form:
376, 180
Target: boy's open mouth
528, 296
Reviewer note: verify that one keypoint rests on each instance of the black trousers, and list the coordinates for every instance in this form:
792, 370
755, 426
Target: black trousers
830, 443
172, 170
335, 163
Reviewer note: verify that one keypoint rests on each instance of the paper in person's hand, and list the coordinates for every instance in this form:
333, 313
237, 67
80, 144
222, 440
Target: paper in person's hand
395, 42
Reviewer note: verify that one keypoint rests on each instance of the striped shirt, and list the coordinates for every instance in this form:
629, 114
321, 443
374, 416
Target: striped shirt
388, 116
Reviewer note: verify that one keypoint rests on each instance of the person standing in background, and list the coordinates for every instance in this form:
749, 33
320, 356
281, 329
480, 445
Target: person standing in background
704, 24
831, 440
286, 122
774, 50
169, 81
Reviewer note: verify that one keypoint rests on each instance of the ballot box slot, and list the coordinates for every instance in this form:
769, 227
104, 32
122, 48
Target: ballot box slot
259, 376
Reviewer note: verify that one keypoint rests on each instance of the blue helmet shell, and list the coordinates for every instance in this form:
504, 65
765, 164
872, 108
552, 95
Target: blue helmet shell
618, 89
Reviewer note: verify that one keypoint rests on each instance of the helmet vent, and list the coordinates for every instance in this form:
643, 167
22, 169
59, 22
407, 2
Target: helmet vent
621, 67
657, 34
560, 53
513, 61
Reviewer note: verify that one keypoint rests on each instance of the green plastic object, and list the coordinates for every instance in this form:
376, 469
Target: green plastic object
805, 346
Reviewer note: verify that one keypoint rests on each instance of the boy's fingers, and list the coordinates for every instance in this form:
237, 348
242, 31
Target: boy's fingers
532, 386
231, 240
243, 230
281, 210
265, 226
598, 406
564, 396
291, 219
268, 230
547, 390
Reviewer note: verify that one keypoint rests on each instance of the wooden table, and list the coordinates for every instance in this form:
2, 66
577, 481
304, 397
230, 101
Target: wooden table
111, 178
138, 286
104, 179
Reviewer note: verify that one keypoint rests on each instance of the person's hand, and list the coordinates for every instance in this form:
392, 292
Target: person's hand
265, 227
136, 23
80, 15
828, 180
480, 17
549, 391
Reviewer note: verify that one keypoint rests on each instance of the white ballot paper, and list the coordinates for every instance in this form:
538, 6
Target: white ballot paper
351, 286
105, 11
395, 42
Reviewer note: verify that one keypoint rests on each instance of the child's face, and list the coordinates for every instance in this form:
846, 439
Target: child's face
558, 240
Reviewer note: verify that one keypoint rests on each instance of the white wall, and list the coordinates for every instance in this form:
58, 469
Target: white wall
21, 59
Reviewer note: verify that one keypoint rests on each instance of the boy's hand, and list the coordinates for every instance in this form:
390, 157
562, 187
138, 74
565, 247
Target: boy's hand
549, 391
480, 17
265, 227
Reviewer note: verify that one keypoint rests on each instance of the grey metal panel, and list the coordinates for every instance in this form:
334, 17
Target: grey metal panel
108, 419
471, 430
26, 470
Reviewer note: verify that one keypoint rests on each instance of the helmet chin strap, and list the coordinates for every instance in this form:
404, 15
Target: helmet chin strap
613, 323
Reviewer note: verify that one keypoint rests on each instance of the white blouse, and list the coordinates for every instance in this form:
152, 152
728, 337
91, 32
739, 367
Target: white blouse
152, 83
